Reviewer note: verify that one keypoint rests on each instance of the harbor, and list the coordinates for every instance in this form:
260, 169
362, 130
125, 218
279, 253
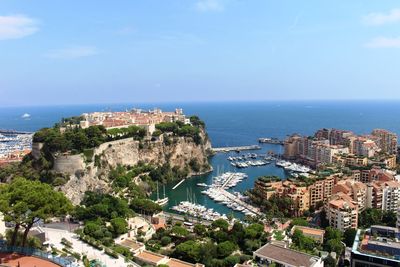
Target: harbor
14, 145
251, 160
232, 195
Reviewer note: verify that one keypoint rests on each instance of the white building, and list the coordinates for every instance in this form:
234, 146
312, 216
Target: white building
342, 212
390, 196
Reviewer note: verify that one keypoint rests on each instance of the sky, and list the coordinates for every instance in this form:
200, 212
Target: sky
95, 51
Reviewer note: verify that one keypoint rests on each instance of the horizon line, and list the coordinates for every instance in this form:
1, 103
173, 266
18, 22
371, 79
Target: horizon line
201, 102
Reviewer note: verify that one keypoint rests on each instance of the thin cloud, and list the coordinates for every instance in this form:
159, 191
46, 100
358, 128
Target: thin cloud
128, 30
384, 42
210, 5
377, 19
295, 22
72, 52
17, 26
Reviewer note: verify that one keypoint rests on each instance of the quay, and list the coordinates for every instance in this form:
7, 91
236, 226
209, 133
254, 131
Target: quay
235, 148
235, 199
178, 184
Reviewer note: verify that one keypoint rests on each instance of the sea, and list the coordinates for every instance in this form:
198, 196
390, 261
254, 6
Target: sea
233, 124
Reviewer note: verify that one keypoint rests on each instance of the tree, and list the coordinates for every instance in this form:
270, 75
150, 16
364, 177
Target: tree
27, 202
335, 245
254, 231
349, 236
225, 249
221, 224
329, 262
179, 231
299, 222
200, 229
165, 240
332, 233
189, 251
119, 226
303, 242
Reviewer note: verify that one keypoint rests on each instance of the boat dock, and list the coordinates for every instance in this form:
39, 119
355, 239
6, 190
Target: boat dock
236, 200
178, 184
235, 148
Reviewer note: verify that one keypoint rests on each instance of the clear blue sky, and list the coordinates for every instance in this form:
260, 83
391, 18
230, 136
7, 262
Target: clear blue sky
65, 52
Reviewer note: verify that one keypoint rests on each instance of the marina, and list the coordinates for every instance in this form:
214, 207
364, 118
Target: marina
14, 145
250, 160
217, 191
234, 195
198, 211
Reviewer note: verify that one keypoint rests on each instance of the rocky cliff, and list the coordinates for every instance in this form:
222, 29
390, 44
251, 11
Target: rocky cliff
91, 172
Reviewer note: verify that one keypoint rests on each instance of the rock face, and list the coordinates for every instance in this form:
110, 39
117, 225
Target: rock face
88, 175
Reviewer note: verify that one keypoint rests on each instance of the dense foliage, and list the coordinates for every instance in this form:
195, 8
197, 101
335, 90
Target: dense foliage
38, 170
304, 243
74, 139
96, 210
104, 215
214, 245
371, 216
25, 203
178, 128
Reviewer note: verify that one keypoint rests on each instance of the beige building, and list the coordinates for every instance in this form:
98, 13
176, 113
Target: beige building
350, 160
300, 195
386, 140
321, 190
342, 212
356, 190
292, 146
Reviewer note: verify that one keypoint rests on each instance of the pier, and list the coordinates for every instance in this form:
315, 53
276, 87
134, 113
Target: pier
235, 199
178, 184
235, 148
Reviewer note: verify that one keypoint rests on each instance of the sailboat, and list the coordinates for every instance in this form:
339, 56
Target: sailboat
162, 201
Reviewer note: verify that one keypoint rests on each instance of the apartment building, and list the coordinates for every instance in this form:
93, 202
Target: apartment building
342, 212
321, 190
390, 195
349, 160
386, 140
269, 187
356, 190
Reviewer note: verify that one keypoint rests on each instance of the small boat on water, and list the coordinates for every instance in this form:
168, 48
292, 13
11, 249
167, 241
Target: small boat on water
26, 116
202, 184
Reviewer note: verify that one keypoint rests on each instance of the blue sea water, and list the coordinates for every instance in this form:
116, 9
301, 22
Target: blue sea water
238, 123
235, 124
